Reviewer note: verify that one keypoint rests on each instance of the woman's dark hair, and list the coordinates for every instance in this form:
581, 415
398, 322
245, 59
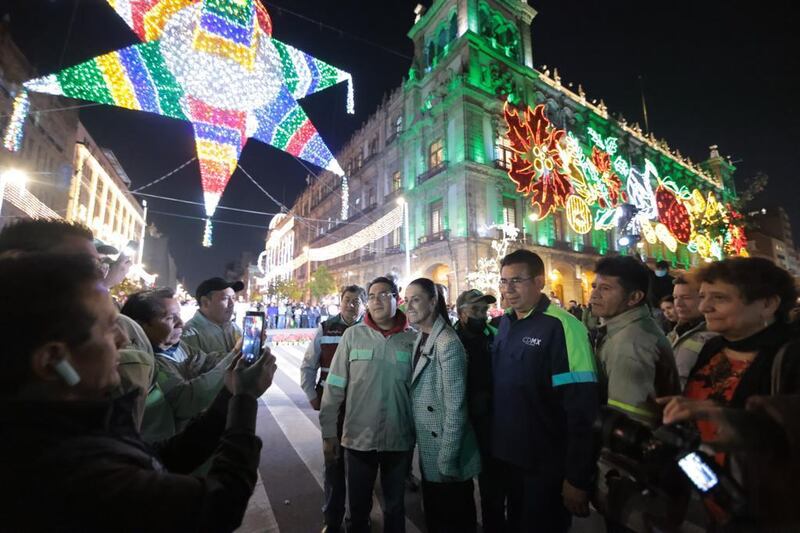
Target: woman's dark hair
145, 306
668, 298
434, 292
756, 278
44, 295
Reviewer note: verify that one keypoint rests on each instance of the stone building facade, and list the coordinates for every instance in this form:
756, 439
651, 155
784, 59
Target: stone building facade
437, 144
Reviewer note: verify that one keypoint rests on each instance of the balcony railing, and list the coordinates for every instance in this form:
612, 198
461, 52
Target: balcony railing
441, 167
393, 250
434, 237
394, 194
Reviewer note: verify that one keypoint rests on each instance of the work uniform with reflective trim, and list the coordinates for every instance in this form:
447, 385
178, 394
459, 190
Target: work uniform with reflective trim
319, 355
638, 364
373, 374
546, 395
686, 345
202, 334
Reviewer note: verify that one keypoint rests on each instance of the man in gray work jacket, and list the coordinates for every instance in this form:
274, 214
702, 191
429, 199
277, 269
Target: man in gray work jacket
371, 370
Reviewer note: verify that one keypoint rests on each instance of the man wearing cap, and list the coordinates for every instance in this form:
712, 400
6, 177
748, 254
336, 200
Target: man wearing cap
210, 329
477, 335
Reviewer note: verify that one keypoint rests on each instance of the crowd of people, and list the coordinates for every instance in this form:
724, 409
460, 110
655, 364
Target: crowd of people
285, 314
134, 420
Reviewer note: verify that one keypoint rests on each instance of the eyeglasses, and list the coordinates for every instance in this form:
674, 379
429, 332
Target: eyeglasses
379, 296
513, 281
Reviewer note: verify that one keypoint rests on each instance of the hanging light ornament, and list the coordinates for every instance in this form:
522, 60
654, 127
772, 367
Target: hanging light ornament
215, 64
13, 138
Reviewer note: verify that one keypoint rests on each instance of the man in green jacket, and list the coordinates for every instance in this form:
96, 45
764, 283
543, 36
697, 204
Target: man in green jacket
187, 380
210, 329
634, 354
371, 370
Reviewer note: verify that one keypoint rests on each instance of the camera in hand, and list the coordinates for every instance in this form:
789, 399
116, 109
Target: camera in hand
651, 467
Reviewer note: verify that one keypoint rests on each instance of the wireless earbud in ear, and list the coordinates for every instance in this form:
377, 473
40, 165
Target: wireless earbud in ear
67, 373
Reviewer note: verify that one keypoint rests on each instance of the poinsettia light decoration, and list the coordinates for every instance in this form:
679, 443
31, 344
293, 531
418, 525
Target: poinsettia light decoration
537, 166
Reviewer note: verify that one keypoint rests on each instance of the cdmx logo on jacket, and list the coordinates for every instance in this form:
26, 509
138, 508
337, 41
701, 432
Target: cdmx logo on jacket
532, 341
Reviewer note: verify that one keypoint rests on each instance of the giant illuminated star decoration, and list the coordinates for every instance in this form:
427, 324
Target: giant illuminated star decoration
215, 64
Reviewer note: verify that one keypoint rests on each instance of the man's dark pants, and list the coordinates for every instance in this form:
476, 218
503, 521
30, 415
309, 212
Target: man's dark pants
490, 484
450, 507
534, 501
335, 494
362, 469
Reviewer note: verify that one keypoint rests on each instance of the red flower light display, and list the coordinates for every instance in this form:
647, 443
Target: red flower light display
536, 164
673, 214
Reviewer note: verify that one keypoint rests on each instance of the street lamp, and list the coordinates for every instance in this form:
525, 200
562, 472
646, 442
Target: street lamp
402, 202
12, 176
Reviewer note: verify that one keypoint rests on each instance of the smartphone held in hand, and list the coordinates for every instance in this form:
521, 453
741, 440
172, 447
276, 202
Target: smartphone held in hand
252, 330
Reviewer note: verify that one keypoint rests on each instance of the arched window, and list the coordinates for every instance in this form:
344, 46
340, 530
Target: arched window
453, 27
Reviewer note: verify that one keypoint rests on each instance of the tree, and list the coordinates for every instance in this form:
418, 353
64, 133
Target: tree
322, 283
286, 289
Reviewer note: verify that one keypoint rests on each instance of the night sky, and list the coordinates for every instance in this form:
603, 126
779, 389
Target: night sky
715, 72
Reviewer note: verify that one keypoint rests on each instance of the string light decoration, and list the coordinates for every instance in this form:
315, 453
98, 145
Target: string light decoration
382, 227
213, 63
345, 198
16, 126
663, 234
379, 229
27, 202
579, 216
207, 234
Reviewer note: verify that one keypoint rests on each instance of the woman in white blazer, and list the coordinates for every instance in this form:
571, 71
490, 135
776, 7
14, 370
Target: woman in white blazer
448, 450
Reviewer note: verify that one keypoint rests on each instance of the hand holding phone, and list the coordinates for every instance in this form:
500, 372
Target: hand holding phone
252, 336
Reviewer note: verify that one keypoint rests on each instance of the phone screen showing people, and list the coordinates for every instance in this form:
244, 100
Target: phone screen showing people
251, 343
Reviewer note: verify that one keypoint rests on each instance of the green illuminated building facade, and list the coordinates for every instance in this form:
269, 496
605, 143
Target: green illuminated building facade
440, 142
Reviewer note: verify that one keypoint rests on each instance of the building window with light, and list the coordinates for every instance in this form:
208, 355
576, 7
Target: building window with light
504, 153
436, 217
510, 212
436, 154
398, 125
397, 181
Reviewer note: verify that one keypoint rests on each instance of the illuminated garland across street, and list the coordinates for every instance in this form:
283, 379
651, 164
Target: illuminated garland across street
215, 64
380, 228
599, 189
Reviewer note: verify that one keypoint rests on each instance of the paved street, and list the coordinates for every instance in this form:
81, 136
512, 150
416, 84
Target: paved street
289, 495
